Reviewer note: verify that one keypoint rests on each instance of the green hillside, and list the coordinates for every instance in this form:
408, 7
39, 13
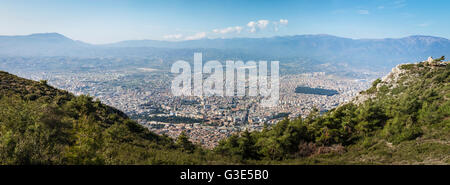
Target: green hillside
402, 119
43, 125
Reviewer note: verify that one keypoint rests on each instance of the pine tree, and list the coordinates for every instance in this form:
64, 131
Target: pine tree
247, 146
184, 143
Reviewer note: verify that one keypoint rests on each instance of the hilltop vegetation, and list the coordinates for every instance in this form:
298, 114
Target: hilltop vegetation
402, 119
43, 125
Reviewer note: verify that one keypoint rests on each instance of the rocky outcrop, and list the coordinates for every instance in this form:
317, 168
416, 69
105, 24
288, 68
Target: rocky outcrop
393, 75
390, 78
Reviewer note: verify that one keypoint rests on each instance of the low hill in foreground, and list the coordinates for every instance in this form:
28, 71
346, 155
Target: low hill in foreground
402, 119
43, 125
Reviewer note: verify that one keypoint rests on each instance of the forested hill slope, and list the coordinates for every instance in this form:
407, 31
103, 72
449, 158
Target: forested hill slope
403, 118
43, 125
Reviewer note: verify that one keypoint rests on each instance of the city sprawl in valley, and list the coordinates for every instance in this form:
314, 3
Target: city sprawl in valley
145, 95
339, 101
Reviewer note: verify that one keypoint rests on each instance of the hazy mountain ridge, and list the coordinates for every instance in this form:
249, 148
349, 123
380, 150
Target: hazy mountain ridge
41, 44
327, 48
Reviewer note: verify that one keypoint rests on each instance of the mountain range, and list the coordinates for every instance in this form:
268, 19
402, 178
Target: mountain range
325, 48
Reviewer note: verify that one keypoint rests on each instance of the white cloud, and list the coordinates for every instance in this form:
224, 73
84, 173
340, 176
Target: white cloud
363, 12
196, 36
277, 24
259, 25
284, 21
236, 29
263, 24
174, 36
252, 27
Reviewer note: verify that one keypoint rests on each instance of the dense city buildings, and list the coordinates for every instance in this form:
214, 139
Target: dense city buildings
145, 95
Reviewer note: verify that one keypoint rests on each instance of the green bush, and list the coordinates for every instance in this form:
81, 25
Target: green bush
407, 66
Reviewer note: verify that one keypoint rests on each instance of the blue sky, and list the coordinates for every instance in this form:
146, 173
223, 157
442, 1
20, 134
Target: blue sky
106, 21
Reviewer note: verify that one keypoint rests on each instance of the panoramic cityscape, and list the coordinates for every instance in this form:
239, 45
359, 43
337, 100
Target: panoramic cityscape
146, 96
224, 92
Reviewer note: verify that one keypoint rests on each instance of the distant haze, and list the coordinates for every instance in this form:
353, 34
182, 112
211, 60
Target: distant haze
324, 48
